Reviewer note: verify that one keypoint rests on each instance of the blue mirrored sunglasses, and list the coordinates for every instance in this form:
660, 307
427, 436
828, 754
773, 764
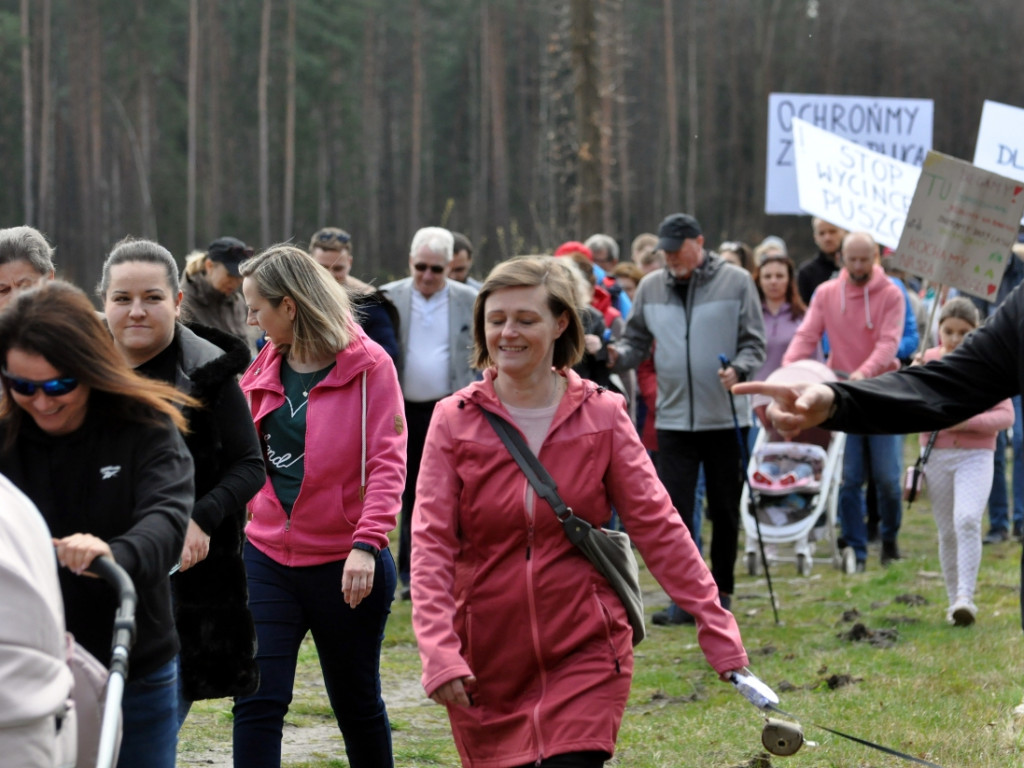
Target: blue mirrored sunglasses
52, 387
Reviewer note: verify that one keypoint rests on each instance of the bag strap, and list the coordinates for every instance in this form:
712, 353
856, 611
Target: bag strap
539, 478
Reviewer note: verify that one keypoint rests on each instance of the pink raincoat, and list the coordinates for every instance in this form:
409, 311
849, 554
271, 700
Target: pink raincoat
501, 594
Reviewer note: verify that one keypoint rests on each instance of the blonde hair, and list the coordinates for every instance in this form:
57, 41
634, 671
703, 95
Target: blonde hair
323, 315
194, 262
528, 272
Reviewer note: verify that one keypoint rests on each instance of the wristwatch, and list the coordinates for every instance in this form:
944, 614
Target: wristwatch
366, 548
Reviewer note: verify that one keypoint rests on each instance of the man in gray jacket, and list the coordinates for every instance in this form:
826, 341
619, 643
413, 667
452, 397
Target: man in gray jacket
695, 309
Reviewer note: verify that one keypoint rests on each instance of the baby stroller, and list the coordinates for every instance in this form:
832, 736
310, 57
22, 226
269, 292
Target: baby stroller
793, 487
99, 732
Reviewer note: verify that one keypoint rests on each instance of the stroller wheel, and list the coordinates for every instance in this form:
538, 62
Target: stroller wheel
803, 564
753, 564
849, 560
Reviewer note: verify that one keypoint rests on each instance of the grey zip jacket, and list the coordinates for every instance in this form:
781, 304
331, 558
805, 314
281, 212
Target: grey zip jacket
722, 316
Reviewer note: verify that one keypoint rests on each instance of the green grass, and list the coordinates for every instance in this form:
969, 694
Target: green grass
941, 693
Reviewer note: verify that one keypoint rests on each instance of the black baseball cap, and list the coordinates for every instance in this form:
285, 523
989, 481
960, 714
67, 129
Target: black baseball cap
230, 252
676, 228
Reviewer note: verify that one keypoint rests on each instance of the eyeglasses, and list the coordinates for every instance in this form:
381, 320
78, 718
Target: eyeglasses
437, 269
52, 387
333, 237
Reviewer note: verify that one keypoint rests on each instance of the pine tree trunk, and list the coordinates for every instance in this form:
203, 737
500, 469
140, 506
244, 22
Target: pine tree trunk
416, 131
672, 111
693, 107
372, 143
193, 118
289, 129
45, 208
499, 141
264, 124
27, 103
588, 110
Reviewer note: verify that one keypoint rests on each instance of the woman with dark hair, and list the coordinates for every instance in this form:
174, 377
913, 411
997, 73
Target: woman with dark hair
521, 638
97, 448
142, 301
328, 410
781, 305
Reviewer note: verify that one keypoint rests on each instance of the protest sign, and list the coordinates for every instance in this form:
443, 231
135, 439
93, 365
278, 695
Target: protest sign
850, 186
961, 225
1000, 146
899, 128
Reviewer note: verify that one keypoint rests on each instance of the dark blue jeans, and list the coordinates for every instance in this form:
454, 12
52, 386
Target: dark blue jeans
287, 602
149, 710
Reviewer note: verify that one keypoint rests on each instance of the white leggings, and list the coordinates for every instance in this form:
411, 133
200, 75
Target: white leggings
959, 481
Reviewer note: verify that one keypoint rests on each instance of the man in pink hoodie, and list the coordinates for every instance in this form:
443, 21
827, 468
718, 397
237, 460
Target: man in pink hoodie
862, 312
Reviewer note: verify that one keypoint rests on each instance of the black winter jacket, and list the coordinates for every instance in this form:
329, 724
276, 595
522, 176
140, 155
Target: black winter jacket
129, 484
218, 638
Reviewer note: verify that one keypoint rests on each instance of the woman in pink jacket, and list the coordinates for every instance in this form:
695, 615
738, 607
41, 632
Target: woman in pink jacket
960, 475
524, 641
328, 410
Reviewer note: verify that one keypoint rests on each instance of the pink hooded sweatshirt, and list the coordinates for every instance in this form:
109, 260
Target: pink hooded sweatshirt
499, 592
979, 431
354, 461
864, 325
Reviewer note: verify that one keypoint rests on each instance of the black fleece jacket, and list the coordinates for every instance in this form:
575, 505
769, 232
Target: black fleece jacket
131, 485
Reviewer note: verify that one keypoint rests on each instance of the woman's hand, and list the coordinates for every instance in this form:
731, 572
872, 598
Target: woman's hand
197, 546
454, 692
77, 551
357, 578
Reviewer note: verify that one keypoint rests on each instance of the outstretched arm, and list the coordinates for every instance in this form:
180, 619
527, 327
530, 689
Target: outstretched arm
794, 407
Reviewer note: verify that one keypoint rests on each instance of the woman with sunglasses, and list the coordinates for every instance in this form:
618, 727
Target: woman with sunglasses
328, 410
97, 448
142, 301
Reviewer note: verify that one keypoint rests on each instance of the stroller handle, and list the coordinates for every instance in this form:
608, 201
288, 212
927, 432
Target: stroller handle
124, 621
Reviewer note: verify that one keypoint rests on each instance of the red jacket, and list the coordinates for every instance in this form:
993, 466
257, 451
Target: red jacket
331, 513
503, 595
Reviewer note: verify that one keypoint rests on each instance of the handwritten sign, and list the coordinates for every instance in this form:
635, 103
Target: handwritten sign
899, 128
1000, 146
851, 186
961, 225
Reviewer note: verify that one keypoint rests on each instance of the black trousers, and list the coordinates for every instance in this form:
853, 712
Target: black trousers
680, 456
417, 420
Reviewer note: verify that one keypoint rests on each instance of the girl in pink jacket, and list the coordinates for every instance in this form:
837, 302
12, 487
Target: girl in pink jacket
524, 641
328, 411
960, 475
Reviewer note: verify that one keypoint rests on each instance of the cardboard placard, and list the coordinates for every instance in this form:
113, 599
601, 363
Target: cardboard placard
961, 225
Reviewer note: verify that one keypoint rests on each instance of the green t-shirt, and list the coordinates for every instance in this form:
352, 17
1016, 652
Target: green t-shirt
284, 433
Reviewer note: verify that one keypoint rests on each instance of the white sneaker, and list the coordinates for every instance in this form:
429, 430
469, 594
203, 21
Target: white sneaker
962, 613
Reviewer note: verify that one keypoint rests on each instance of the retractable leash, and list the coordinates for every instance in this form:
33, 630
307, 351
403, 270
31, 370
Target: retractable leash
785, 738
918, 468
745, 457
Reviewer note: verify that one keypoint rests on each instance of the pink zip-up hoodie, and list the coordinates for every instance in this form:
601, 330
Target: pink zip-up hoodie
499, 592
864, 325
354, 461
979, 431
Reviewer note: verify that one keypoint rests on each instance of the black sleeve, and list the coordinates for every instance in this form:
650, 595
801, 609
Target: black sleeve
244, 471
984, 370
164, 490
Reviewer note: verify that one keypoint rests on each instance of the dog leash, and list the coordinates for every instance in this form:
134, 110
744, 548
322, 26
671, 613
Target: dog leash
787, 738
